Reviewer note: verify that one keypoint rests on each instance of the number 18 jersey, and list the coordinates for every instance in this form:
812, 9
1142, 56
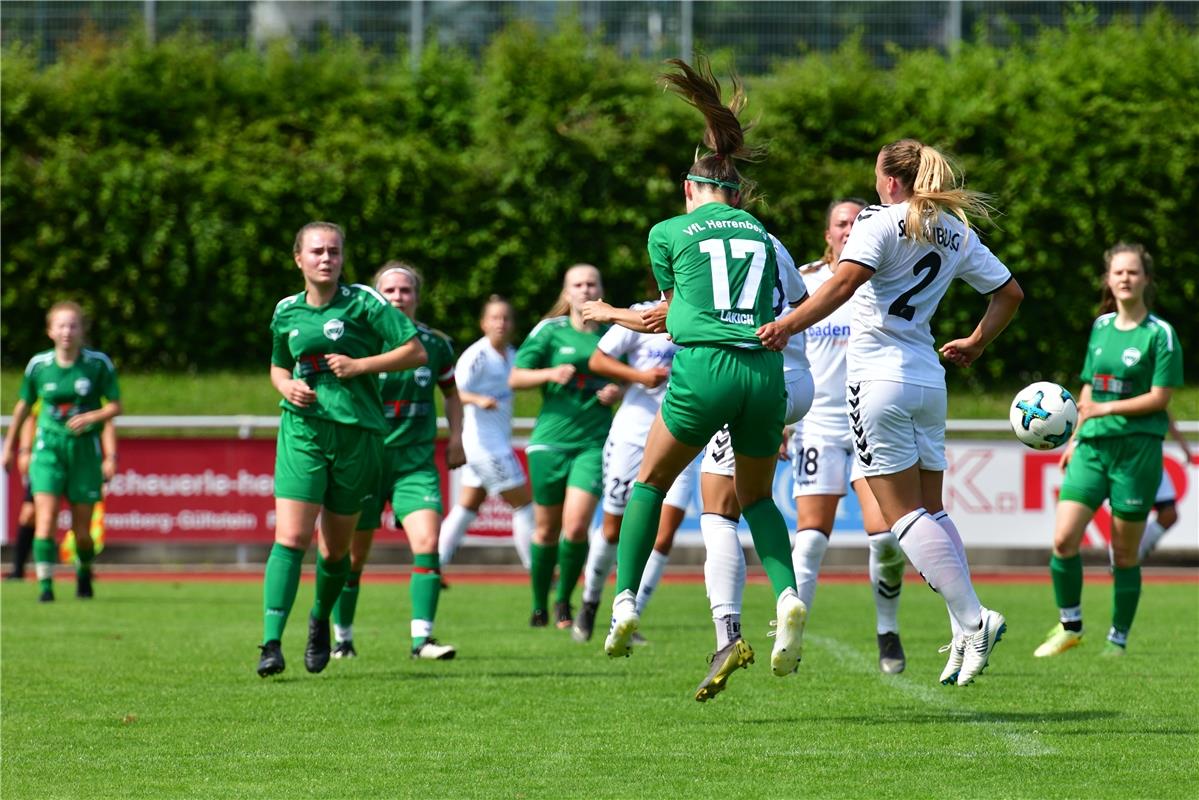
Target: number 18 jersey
891, 339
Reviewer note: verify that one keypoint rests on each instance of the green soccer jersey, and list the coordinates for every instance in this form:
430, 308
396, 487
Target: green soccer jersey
721, 265
358, 322
408, 401
1123, 364
68, 391
571, 415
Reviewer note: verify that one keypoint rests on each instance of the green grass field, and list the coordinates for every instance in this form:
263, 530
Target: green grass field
150, 691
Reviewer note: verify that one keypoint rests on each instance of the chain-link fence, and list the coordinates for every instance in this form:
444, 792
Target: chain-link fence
758, 32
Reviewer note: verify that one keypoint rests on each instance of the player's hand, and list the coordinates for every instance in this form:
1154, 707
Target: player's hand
597, 311
609, 395
562, 374
655, 377
961, 352
773, 336
80, 421
108, 467
343, 366
1065, 459
487, 402
655, 317
8, 459
1092, 409
784, 450
24, 457
298, 393
455, 456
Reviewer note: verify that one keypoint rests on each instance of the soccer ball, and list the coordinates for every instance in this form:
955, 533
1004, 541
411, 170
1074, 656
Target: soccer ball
1043, 415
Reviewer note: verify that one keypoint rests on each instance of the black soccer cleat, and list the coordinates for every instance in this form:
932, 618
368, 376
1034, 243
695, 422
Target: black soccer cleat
345, 650
83, 586
564, 615
540, 618
47, 596
584, 625
319, 648
891, 659
271, 660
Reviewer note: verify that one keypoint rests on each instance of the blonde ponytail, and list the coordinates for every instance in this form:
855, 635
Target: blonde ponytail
933, 186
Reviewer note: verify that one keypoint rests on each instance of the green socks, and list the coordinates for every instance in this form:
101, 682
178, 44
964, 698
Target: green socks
542, 559
279, 586
84, 556
1067, 580
772, 543
425, 588
1126, 593
330, 578
347, 601
572, 557
45, 554
638, 530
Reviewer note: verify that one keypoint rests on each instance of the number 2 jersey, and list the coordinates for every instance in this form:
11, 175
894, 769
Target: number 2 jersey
891, 339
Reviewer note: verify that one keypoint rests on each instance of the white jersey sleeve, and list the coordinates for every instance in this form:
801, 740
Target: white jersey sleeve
481, 369
981, 269
644, 352
789, 291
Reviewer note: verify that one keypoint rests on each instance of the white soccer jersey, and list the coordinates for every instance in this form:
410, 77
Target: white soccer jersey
483, 370
827, 343
644, 351
891, 339
789, 290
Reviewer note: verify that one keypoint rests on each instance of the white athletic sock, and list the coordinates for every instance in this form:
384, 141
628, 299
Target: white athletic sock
724, 566
343, 633
728, 629
932, 551
600, 556
1153, 532
453, 531
422, 628
886, 578
807, 554
945, 521
650, 578
522, 533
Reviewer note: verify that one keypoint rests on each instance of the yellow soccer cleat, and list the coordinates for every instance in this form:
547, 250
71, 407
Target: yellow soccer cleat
725, 661
1060, 640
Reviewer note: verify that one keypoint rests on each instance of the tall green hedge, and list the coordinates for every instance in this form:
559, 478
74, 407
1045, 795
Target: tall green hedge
162, 184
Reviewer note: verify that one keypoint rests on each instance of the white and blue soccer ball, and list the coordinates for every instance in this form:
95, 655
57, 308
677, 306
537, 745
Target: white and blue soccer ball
1044, 415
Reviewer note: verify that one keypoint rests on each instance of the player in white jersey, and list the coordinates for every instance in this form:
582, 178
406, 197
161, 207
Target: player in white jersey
903, 257
649, 356
821, 451
1165, 510
491, 465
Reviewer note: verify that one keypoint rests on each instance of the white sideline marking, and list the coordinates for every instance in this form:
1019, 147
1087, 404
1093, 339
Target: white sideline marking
849, 657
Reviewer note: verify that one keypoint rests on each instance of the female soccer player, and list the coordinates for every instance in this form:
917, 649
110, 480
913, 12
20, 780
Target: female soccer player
1133, 361
909, 252
328, 344
717, 268
565, 450
78, 391
822, 453
491, 465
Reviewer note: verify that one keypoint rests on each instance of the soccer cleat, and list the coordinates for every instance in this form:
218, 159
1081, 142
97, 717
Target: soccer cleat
624, 624
957, 651
271, 660
1060, 640
318, 649
345, 650
637, 640
434, 650
1112, 650
980, 644
788, 633
83, 586
14, 576
584, 624
47, 596
540, 618
735, 655
891, 660
564, 616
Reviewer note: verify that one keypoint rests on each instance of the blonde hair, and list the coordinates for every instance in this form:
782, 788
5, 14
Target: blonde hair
318, 225
401, 267
933, 185
67, 305
562, 306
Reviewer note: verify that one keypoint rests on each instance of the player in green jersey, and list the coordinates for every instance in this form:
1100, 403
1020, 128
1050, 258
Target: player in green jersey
410, 480
77, 388
328, 343
716, 266
565, 451
1133, 361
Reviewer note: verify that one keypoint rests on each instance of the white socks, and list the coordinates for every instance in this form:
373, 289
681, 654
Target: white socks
599, 565
807, 554
887, 564
522, 533
1153, 532
933, 552
453, 531
724, 567
343, 633
650, 578
943, 519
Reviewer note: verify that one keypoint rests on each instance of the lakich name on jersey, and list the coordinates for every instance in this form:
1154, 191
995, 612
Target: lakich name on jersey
942, 237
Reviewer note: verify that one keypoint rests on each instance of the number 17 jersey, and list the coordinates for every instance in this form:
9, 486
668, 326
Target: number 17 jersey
890, 338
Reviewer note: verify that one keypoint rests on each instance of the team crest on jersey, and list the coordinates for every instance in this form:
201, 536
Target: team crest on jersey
294, 333
334, 329
345, 291
83, 386
423, 376
1130, 356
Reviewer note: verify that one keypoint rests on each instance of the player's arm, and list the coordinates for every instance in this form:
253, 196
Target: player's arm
20, 413
1151, 402
1084, 399
25, 445
1177, 436
108, 443
410, 355
455, 456
1000, 310
603, 364
835, 292
471, 399
599, 311
294, 390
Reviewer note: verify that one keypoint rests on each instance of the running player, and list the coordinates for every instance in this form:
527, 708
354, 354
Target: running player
717, 268
491, 465
78, 392
23, 540
328, 343
909, 252
822, 454
410, 480
1165, 509
566, 449
1133, 363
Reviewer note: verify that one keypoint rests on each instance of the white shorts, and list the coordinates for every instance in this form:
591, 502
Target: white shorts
719, 458
800, 392
896, 425
622, 461
496, 473
821, 465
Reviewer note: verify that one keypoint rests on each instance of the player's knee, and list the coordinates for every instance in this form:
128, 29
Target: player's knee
1167, 515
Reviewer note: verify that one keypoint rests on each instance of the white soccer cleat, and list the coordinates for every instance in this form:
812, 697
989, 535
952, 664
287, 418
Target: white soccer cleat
957, 651
980, 644
791, 615
624, 624
434, 650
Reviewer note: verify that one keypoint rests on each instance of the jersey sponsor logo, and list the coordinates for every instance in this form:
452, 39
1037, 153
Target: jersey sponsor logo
49, 387
422, 375
1110, 384
828, 329
335, 328
83, 386
566, 350
942, 237
1130, 356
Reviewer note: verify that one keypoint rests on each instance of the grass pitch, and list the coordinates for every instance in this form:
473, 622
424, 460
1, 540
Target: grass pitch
150, 691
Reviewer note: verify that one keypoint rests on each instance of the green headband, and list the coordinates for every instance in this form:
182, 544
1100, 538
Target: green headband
730, 185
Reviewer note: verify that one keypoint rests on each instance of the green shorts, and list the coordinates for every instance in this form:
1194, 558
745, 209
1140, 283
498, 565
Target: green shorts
64, 464
1123, 469
553, 468
410, 491
713, 386
326, 463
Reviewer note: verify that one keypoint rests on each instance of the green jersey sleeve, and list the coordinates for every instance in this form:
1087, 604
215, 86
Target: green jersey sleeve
29, 382
1167, 368
281, 355
392, 325
109, 388
659, 257
534, 352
